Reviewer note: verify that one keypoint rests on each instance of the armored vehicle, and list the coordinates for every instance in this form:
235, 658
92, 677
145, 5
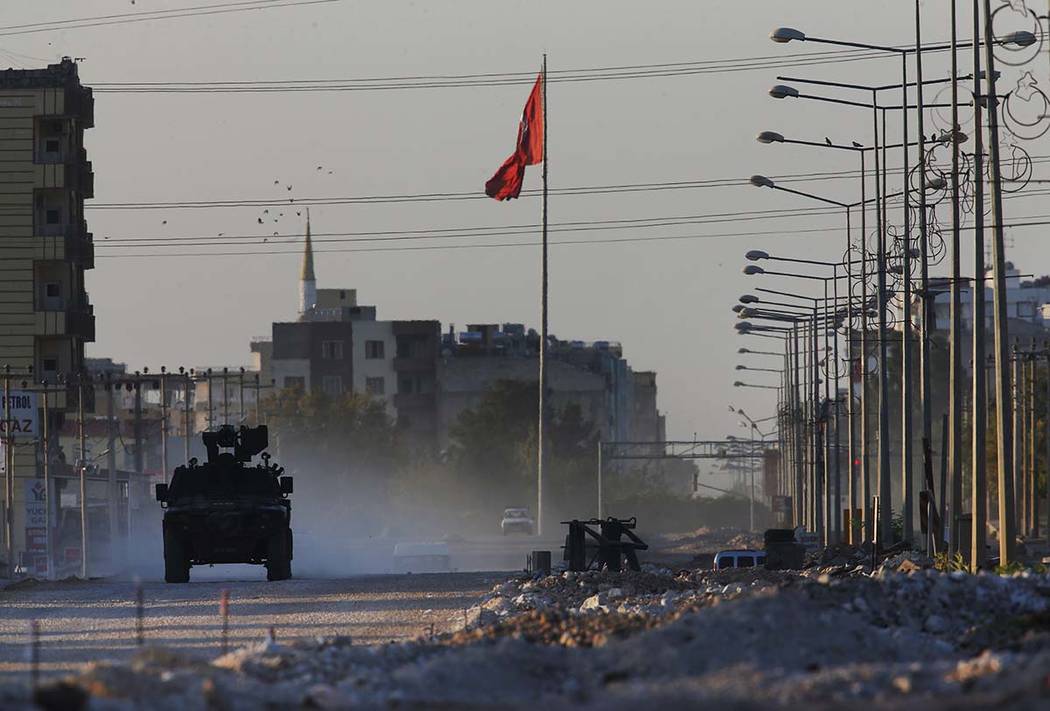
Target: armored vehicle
228, 510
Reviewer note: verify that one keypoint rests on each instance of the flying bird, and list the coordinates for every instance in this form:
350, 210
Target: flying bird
260, 220
277, 182
266, 211
289, 187
320, 167
163, 222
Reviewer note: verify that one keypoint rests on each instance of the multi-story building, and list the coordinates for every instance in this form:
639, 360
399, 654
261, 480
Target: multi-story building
45, 248
620, 403
338, 346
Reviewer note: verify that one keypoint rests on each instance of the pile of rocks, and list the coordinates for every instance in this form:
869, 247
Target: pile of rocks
748, 638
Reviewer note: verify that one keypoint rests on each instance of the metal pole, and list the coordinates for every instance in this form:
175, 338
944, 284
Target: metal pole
979, 485
883, 522
140, 463
924, 283
210, 425
187, 419
111, 464
851, 451
1030, 479
816, 496
906, 327
45, 442
258, 401
9, 478
865, 481
83, 480
240, 396
952, 509
600, 513
542, 427
1015, 413
1004, 434
1046, 435
225, 395
751, 498
797, 433
825, 500
164, 421
835, 508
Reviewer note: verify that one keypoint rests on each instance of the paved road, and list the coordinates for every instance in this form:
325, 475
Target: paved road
95, 620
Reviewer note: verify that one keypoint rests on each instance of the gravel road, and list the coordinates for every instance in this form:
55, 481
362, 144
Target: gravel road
95, 620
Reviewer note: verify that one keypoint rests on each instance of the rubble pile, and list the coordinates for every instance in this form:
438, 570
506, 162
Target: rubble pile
830, 636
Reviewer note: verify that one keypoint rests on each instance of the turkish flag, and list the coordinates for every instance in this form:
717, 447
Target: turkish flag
506, 183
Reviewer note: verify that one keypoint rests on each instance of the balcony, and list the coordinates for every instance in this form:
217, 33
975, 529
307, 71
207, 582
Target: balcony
70, 244
52, 319
415, 364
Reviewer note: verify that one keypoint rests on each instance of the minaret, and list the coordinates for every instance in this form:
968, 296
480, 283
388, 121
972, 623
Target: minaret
307, 280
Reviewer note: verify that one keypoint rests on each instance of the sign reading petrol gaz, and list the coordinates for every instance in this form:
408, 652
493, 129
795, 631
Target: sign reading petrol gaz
19, 417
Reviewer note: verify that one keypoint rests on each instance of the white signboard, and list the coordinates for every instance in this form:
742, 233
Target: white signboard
23, 422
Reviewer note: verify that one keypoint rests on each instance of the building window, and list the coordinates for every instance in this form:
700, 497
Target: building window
50, 365
332, 350
375, 386
332, 385
295, 382
52, 145
374, 350
53, 217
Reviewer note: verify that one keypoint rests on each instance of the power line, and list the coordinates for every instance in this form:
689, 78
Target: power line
610, 240
152, 15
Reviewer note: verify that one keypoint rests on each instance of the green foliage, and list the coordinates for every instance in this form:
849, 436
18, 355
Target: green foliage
1014, 566
950, 564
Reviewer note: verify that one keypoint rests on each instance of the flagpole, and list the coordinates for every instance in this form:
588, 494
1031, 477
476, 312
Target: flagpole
542, 428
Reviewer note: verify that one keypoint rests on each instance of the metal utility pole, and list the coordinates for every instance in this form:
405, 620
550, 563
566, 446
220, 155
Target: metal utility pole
1046, 416
9, 477
140, 464
924, 282
187, 382
955, 365
225, 395
83, 480
906, 329
601, 515
1004, 434
211, 421
1030, 480
882, 524
979, 486
751, 498
797, 434
240, 393
164, 421
45, 444
258, 401
111, 462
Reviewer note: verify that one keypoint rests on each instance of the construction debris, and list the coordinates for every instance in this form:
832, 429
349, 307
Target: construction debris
749, 638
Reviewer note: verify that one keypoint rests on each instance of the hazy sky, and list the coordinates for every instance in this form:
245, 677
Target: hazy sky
667, 301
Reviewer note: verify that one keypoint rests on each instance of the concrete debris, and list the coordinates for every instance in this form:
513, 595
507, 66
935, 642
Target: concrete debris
832, 637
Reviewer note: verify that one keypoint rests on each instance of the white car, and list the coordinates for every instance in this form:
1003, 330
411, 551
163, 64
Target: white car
517, 520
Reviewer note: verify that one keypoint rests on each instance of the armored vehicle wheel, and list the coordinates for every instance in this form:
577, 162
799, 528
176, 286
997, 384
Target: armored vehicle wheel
279, 556
176, 562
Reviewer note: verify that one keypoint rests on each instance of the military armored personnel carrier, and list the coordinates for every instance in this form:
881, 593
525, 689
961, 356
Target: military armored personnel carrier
228, 510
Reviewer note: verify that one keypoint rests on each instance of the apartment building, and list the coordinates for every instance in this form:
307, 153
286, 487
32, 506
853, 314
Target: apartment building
45, 248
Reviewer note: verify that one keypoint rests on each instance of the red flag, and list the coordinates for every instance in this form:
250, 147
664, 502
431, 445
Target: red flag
506, 183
